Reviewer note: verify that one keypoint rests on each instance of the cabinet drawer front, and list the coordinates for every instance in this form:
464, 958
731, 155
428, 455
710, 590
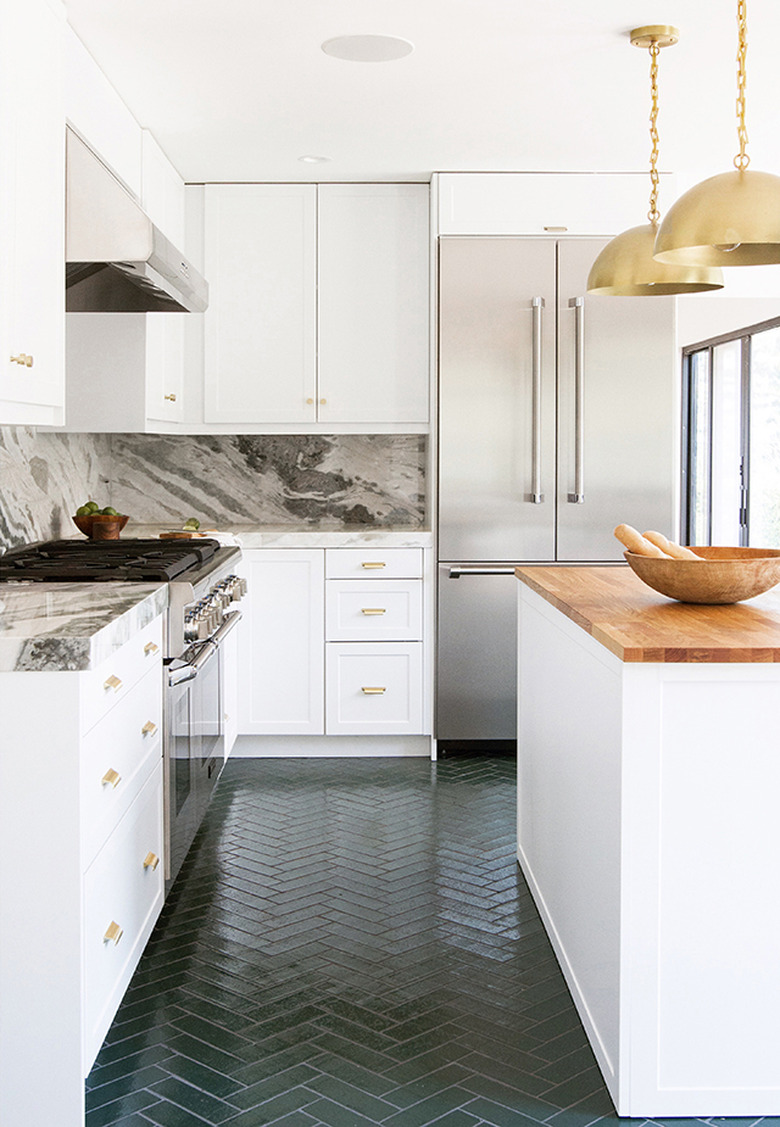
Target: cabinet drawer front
110, 682
117, 755
373, 563
374, 688
388, 611
121, 893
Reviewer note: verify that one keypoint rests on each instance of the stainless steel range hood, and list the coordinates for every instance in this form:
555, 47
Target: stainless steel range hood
117, 261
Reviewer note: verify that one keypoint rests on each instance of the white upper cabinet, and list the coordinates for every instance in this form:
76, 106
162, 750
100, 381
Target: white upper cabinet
32, 227
533, 203
318, 318
373, 303
260, 327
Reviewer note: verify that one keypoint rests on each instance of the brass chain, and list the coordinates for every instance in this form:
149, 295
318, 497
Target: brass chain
654, 214
742, 160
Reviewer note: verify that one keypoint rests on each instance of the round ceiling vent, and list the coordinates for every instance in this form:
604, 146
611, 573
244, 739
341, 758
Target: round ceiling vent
367, 48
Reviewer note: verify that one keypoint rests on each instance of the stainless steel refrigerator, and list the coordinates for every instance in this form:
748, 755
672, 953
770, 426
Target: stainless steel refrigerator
556, 423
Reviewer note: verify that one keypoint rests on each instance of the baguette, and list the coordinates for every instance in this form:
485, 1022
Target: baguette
676, 551
636, 543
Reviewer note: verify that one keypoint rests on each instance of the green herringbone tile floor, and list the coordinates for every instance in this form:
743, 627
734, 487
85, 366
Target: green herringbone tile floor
350, 942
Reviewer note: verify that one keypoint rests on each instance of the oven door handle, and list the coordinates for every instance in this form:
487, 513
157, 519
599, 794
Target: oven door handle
188, 671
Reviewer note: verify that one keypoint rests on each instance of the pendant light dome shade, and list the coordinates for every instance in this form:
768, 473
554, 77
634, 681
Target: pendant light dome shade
626, 268
729, 220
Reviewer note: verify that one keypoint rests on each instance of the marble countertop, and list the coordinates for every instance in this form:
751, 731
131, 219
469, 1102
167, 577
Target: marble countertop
56, 627
321, 536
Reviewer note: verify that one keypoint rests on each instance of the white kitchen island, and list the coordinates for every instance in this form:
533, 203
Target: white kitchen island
649, 833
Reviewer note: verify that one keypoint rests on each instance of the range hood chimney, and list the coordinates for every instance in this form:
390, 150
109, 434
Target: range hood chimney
117, 261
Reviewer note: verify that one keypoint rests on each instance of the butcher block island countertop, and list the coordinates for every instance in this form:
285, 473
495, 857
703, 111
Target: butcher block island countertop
638, 625
648, 770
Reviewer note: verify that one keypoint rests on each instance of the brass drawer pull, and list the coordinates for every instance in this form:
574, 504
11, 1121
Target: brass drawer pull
373, 690
113, 932
149, 728
373, 563
151, 861
111, 778
112, 682
151, 648
23, 359
373, 610
171, 398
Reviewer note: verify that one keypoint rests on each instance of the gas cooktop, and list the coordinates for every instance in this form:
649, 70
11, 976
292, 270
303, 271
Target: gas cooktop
96, 560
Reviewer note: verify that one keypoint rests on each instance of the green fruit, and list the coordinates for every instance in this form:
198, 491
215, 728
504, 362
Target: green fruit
192, 522
109, 512
92, 507
83, 511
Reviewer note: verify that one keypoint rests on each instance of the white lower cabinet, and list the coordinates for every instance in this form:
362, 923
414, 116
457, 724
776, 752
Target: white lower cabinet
334, 647
374, 688
81, 827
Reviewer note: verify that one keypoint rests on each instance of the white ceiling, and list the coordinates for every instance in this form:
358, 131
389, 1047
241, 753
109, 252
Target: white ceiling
239, 89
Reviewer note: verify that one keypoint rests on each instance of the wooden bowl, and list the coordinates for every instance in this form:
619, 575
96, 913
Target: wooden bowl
727, 575
98, 526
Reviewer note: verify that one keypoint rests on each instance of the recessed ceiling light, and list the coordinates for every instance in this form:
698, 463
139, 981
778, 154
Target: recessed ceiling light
367, 48
314, 160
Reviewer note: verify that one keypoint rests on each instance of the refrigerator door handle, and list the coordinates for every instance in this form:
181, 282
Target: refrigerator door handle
578, 496
536, 497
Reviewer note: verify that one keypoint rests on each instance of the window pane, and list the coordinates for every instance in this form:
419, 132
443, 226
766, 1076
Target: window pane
764, 523
726, 442
699, 448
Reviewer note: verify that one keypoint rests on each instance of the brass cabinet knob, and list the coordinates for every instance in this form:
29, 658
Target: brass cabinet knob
373, 563
112, 682
24, 359
323, 402
171, 398
373, 610
151, 861
151, 648
149, 728
373, 690
309, 402
113, 933
111, 778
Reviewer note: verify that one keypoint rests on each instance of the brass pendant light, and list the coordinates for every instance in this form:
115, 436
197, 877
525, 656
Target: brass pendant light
732, 219
626, 267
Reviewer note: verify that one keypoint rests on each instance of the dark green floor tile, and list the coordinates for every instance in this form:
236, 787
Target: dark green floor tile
119, 1109
594, 1107
497, 1115
339, 1091
201, 1103
430, 1109
565, 1066
510, 1097
116, 1089
273, 1085
207, 1079
127, 1066
351, 1073
334, 1115
428, 1084
273, 1109
498, 1070
576, 1088
199, 1051
457, 1119
271, 1065
171, 1115
354, 1051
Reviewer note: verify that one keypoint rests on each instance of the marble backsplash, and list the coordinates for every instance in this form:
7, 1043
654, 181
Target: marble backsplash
296, 481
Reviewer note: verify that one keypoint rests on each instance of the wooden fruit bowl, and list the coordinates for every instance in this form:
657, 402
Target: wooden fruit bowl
98, 526
728, 575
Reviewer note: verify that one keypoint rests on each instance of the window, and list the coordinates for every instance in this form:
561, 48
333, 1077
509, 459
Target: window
731, 439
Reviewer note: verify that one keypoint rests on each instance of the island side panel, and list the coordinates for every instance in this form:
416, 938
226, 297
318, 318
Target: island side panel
703, 920
569, 809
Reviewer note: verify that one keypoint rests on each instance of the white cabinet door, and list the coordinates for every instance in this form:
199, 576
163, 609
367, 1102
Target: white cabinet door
260, 327
373, 303
374, 688
32, 229
281, 673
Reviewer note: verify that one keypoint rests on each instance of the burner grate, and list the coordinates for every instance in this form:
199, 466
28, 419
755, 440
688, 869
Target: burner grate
98, 560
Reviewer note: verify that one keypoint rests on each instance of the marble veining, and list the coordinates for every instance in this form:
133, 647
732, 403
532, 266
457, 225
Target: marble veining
292, 480
47, 627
